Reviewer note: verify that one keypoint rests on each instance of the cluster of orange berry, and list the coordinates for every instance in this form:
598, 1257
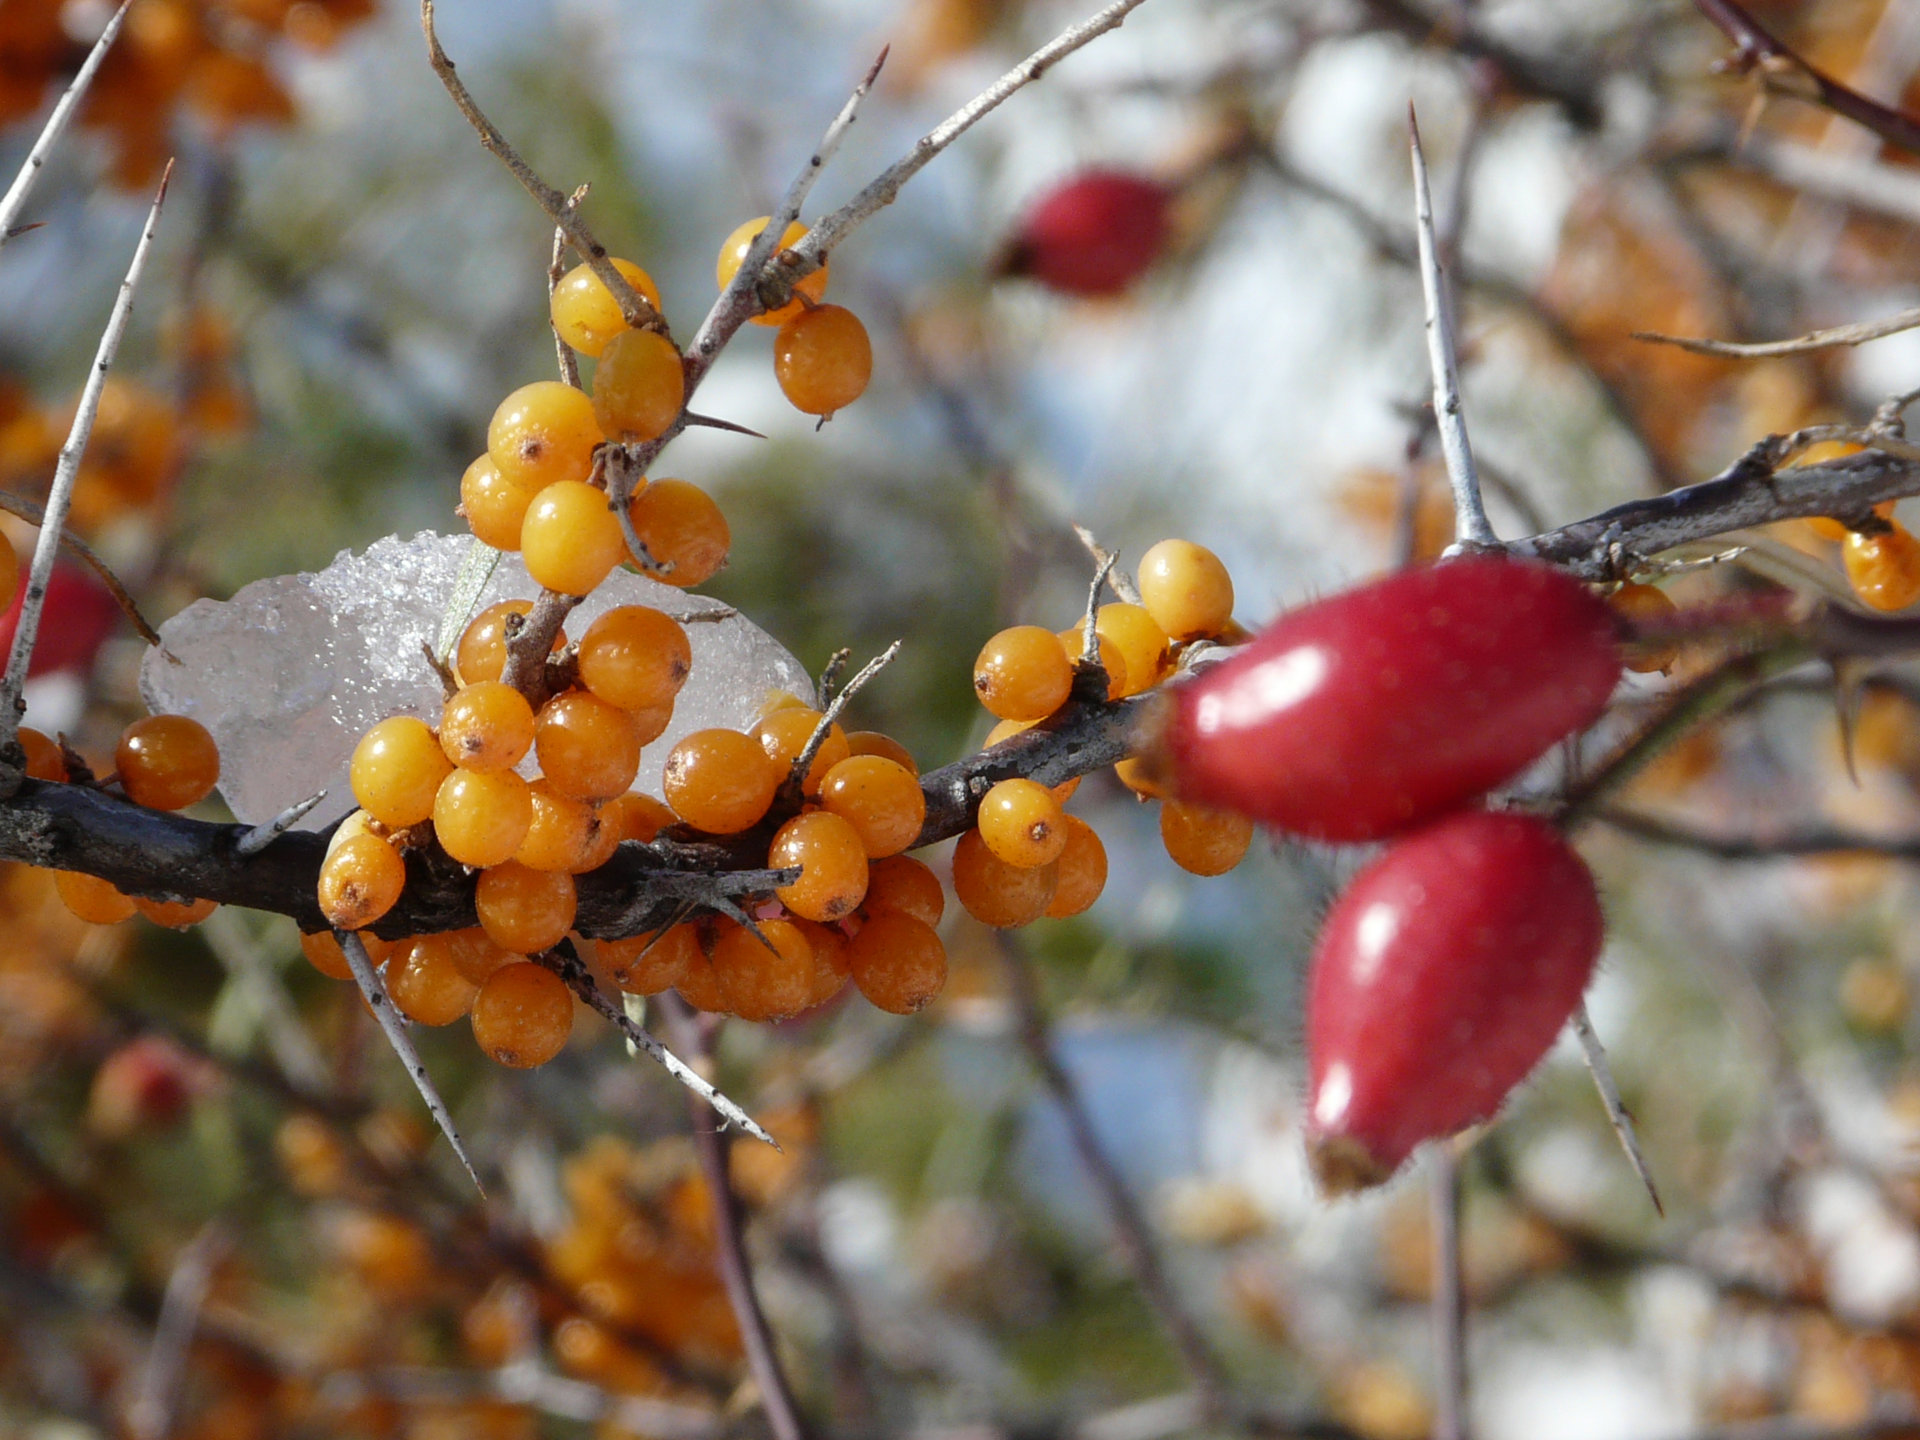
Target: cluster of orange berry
207, 56
1026, 857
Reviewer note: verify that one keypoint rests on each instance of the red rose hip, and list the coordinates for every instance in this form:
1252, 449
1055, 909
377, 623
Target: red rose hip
1094, 234
1373, 711
1441, 977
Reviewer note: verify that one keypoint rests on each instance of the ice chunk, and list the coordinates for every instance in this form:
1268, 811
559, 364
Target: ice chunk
292, 671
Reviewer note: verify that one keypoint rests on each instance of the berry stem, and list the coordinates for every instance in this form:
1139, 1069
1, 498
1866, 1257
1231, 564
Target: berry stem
556, 271
803, 762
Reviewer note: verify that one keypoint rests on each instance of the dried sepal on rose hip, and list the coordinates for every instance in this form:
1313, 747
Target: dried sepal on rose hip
1442, 975
1365, 714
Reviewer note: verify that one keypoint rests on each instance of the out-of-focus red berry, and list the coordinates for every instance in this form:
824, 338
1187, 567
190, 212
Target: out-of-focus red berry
1094, 234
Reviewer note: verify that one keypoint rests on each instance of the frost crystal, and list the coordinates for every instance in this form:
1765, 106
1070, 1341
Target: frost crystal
292, 671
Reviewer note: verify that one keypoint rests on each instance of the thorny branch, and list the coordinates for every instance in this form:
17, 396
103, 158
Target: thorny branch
15, 200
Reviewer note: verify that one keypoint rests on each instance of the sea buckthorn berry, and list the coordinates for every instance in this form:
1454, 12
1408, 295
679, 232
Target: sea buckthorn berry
543, 433
167, 762
588, 749
360, 881
1883, 569
823, 359
648, 964
832, 960
1369, 712
1141, 641
650, 724
880, 798
480, 818
638, 817
1005, 730
902, 884
1023, 674
522, 1015
1440, 978
175, 914
872, 742
525, 911
996, 893
639, 387
784, 733
561, 833
700, 985
720, 781
761, 983
1020, 822
1186, 589
1073, 643
9, 573
45, 760
482, 651
1827, 528
1142, 777
832, 861
91, 898
682, 527
324, 954
312, 1156
1204, 842
1093, 234
898, 962
635, 657
396, 770
1083, 870
487, 726
734, 250
474, 953
494, 506
584, 310
1635, 604
570, 540
425, 984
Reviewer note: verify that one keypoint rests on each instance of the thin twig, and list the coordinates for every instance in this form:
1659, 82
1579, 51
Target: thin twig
1470, 514
395, 1030
268, 831
710, 1145
1856, 334
84, 553
1775, 845
829, 717
556, 272
1119, 579
60, 495
830, 674
157, 1388
1618, 1115
1449, 1300
15, 199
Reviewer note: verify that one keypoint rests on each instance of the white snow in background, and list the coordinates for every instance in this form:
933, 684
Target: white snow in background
293, 670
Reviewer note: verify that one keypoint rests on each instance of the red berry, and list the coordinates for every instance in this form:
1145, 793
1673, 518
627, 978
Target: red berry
1441, 977
78, 616
1092, 235
1370, 712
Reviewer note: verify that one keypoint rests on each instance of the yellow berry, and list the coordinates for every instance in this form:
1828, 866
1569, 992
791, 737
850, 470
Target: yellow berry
1186, 589
525, 911
396, 770
91, 898
720, 781
1023, 674
494, 506
648, 964
901, 883
487, 726
635, 657
822, 359
1637, 603
762, 983
360, 881
898, 962
734, 250
585, 313
480, 817
522, 1015
543, 433
832, 861
1884, 569
880, 798
996, 893
425, 984
570, 540
681, 527
639, 386
1021, 822
1083, 870
1204, 842
784, 733
588, 749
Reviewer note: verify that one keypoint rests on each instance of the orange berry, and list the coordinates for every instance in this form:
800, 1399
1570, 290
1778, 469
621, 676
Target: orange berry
1020, 822
872, 742
45, 760
1142, 644
360, 881
996, 893
584, 311
525, 911
1005, 730
91, 898
650, 724
1201, 841
426, 986
761, 983
1083, 870
312, 1156
167, 762
475, 955
1884, 570
1141, 776
1112, 659
480, 817
396, 770
1827, 528
784, 733
898, 962
638, 817
823, 359
639, 386
648, 964
174, 914
682, 527
635, 657
324, 953
9, 572
733, 250
570, 540
588, 749
494, 506
902, 884
1636, 603
832, 960
482, 651
562, 833
487, 726
1023, 674
543, 433
700, 985
1186, 589
832, 861
880, 798
522, 1015
720, 781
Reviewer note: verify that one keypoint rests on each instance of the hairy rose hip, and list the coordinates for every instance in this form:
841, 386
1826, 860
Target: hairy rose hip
1094, 234
1369, 712
1442, 975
